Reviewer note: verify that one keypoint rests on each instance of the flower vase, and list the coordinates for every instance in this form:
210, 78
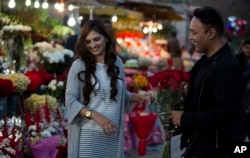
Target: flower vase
13, 104
3, 107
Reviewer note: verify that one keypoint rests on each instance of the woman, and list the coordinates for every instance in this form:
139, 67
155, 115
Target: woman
96, 96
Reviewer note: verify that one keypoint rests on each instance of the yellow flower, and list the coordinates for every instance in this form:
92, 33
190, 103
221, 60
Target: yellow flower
35, 102
140, 81
19, 80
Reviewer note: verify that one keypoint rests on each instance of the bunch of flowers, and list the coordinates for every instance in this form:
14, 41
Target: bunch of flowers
45, 126
19, 80
56, 88
140, 81
10, 137
4, 20
6, 87
36, 80
35, 102
171, 86
18, 27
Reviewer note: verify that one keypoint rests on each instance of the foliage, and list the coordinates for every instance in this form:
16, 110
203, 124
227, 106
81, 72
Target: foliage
38, 19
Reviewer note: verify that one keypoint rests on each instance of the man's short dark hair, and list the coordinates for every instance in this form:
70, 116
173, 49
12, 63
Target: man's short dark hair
246, 41
211, 17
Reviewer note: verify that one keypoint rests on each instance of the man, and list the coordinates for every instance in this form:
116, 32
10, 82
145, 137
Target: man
108, 24
174, 49
212, 107
71, 40
244, 59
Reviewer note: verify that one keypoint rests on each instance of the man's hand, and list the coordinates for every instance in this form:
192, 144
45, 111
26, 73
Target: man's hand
175, 116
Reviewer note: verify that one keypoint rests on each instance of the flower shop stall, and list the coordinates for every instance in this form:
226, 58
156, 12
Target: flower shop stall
32, 85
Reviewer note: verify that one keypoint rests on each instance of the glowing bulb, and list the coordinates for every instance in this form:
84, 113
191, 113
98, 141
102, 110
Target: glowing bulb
70, 7
114, 18
28, 2
145, 30
160, 27
154, 29
45, 4
71, 22
37, 4
12, 4
61, 7
57, 5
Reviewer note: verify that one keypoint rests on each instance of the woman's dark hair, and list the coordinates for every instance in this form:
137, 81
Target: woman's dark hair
211, 18
89, 60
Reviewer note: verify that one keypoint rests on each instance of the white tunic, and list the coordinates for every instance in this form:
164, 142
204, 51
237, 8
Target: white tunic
93, 141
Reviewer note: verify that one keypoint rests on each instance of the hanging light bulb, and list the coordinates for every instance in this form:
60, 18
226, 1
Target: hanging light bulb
45, 4
37, 4
71, 22
70, 7
61, 7
57, 5
114, 18
12, 4
28, 2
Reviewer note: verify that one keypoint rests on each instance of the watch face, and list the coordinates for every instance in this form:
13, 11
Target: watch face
88, 113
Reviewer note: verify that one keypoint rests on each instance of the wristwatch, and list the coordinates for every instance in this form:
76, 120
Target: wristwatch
88, 114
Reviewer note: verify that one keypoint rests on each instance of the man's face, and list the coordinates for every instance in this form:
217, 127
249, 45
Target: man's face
199, 35
246, 50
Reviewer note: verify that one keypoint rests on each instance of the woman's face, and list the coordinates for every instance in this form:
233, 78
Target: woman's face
96, 44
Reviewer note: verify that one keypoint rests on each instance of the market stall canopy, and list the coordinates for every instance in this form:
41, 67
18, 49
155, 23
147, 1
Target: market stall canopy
96, 8
152, 10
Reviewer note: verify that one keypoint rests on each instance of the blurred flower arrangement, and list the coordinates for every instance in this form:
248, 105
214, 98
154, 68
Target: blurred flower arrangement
56, 89
11, 142
45, 126
55, 58
18, 27
140, 81
36, 101
19, 80
171, 86
6, 87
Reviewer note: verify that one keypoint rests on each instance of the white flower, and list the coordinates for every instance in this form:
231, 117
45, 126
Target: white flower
60, 84
46, 134
32, 128
18, 27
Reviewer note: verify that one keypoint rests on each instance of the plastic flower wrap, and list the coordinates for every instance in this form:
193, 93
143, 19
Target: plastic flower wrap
19, 80
11, 137
35, 102
45, 126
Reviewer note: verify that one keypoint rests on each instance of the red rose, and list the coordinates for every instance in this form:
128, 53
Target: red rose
153, 81
6, 87
177, 76
35, 80
186, 76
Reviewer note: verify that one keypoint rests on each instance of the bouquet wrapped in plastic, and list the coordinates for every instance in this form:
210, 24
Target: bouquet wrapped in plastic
11, 137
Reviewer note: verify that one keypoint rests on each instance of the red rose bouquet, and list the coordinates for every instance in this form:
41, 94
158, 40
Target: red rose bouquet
171, 87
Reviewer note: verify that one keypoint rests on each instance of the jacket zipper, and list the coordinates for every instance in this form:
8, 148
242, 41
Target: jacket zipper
203, 83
